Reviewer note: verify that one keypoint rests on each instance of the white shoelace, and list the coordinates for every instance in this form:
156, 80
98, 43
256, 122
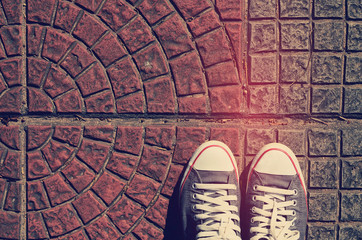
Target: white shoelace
218, 217
273, 224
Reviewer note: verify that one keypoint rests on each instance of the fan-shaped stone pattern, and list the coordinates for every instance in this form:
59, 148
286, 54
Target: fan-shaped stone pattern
66, 161
10, 187
71, 71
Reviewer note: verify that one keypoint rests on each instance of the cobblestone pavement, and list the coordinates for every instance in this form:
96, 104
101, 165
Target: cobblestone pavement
102, 102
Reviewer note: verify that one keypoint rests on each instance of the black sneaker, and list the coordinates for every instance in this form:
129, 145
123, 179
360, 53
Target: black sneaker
210, 194
275, 201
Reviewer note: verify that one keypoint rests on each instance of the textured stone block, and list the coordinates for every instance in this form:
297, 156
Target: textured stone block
329, 35
225, 99
146, 230
13, 10
36, 70
350, 232
162, 136
172, 179
38, 101
57, 82
263, 69
35, 227
262, 36
100, 103
58, 190
294, 139
327, 69
94, 80
353, 69
116, 13
68, 134
10, 136
154, 163
204, 23
91, 5
295, 35
78, 174
322, 142
158, 212
353, 100
190, 8
351, 174
40, 11
294, 99
160, 95
133, 103
191, 81
229, 136
56, 154
13, 198
108, 187
323, 174
262, 9
36, 165
229, 9
11, 37
151, 62
351, 209
109, 49
257, 138
143, 189
354, 42
188, 140
88, 206
326, 100
103, 133
56, 44
294, 8
263, 99
122, 164
174, 36
11, 71
354, 9
222, 74
124, 77
93, 153
154, 10
66, 15
327, 232
328, 8
34, 36
214, 47
102, 229
352, 142
11, 101
125, 213
10, 167
323, 206
9, 225
137, 33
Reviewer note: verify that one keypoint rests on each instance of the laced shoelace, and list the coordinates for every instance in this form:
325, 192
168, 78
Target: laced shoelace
217, 218
272, 222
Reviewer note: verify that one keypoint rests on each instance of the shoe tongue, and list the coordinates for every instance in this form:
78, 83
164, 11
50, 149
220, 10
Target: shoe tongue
214, 176
278, 181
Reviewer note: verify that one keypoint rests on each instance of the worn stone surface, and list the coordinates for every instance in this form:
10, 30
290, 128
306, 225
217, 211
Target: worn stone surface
102, 103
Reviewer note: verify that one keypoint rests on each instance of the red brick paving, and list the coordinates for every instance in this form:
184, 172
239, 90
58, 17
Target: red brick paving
103, 102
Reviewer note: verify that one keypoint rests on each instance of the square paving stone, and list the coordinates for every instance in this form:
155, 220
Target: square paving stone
352, 142
295, 68
350, 232
353, 100
294, 8
327, 69
323, 206
351, 173
326, 100
322, 142
353, 69
351, 208
354, 42
323, 174
325, 232
294, 35
328, 8
329, 35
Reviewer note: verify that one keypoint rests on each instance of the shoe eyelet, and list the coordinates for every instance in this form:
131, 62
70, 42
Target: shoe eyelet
294, 213
295, 192
194, 196
252, 220
253, 209
294, 202
193, 186
253, 198
255, 187
194, 207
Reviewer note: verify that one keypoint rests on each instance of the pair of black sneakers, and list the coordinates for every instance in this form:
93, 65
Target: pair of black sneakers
274, 207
